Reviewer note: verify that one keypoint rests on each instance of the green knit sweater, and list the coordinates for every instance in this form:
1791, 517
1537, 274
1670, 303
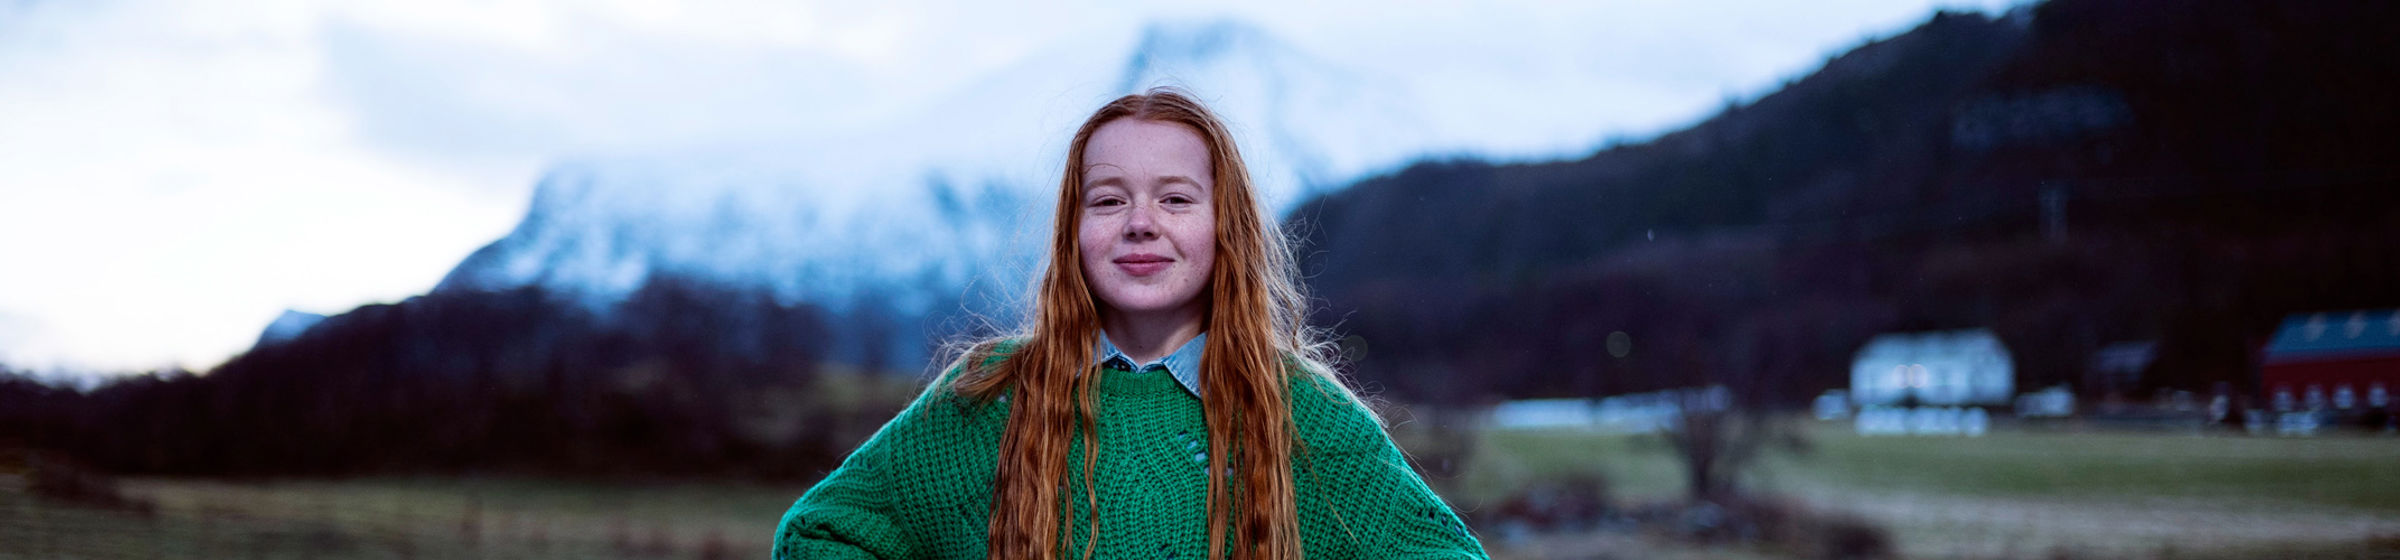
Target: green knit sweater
922, 486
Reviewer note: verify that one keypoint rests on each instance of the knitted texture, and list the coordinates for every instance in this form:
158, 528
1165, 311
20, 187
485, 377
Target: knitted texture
922, 486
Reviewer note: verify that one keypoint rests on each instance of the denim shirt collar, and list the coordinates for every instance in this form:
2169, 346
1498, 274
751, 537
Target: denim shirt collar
1183, 365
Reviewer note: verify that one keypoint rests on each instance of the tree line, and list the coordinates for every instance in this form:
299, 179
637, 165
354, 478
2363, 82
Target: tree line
684, 377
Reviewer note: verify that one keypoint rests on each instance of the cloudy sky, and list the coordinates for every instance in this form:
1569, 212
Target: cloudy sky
174, 174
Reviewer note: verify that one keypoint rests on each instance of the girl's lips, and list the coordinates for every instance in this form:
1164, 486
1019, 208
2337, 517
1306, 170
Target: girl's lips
1142, 264
1144, 268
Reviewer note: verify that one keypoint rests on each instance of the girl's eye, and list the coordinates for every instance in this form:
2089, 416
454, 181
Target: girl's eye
1178, 199
1108, 201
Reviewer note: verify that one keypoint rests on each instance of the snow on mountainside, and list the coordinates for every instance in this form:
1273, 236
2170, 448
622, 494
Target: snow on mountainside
942, 210
1311, 125
288, 326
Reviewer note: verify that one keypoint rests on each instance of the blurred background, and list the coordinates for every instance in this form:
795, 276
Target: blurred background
1845, 279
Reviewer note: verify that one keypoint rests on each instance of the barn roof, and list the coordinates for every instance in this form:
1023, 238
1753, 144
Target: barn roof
2336, 335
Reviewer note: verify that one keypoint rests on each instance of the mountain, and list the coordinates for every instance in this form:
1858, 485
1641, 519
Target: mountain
288, 326
923, 224
2069, 175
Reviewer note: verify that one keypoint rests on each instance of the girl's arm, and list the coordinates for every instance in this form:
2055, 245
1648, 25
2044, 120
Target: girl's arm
852, 513
848, 514
841, 517
1384, 510
1355, 482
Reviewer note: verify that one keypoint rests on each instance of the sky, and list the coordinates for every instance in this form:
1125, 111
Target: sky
176, 174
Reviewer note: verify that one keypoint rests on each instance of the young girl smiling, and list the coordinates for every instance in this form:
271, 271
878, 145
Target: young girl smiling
1165, 398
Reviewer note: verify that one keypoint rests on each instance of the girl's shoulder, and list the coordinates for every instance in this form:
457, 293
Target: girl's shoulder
974, 360
942, 405
1329, 417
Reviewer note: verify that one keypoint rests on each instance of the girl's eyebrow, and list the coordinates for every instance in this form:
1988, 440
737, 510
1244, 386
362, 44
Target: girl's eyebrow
1178, 179
1120, 181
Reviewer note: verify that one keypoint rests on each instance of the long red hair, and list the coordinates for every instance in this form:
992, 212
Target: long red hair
1257, 340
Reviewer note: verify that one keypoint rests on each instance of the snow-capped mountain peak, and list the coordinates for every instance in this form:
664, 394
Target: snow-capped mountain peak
939, 211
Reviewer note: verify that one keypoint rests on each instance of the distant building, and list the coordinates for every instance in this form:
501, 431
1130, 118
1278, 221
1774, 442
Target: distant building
2053, 402
1833, 405
1930, 383
1633, 414
1953, 368
1543, 414
2117, 368
2334, 361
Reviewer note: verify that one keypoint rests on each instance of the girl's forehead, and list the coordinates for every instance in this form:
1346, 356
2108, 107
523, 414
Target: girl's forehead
1146, 147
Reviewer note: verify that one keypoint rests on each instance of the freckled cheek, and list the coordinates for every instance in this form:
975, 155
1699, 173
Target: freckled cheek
1094, 256
1198, 243
1093, 235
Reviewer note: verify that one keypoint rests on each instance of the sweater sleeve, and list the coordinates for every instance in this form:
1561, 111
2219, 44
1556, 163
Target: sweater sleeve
852, 513
844, 516
1358, 487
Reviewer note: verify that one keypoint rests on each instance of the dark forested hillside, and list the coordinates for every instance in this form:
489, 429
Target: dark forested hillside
686, 377
2081, 173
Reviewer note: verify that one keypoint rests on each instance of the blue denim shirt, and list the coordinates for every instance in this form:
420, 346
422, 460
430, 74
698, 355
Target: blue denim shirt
1183, 365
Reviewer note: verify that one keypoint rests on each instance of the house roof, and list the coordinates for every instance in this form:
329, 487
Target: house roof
2336, 335
1913, 345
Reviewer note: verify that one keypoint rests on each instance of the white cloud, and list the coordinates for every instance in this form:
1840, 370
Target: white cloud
174, 178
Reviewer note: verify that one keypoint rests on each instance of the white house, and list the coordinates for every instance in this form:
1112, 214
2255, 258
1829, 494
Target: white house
1951, 368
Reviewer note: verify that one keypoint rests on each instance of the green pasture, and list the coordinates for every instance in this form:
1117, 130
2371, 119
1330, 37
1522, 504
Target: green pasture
2020, 493
401, 518
2359, 472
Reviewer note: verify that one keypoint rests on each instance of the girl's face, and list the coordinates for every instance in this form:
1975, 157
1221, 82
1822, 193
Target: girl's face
1149, 224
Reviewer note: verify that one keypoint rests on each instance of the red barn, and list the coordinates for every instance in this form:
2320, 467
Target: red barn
2338, 361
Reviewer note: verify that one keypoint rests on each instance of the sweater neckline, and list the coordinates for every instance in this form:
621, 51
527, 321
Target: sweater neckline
1115, 381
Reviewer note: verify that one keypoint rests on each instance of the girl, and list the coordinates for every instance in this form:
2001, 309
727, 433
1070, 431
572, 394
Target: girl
1164, 399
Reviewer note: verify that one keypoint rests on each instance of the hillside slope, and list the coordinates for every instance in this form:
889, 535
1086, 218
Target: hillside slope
2073, 175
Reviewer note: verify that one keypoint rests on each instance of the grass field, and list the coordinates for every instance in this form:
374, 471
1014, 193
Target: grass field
402, 518
2014, 494
2029, 494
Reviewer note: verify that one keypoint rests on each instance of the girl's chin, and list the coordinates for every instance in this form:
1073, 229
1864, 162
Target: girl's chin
1148, 304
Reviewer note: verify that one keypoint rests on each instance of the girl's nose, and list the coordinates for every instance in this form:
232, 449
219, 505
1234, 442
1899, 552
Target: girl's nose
1139, 223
